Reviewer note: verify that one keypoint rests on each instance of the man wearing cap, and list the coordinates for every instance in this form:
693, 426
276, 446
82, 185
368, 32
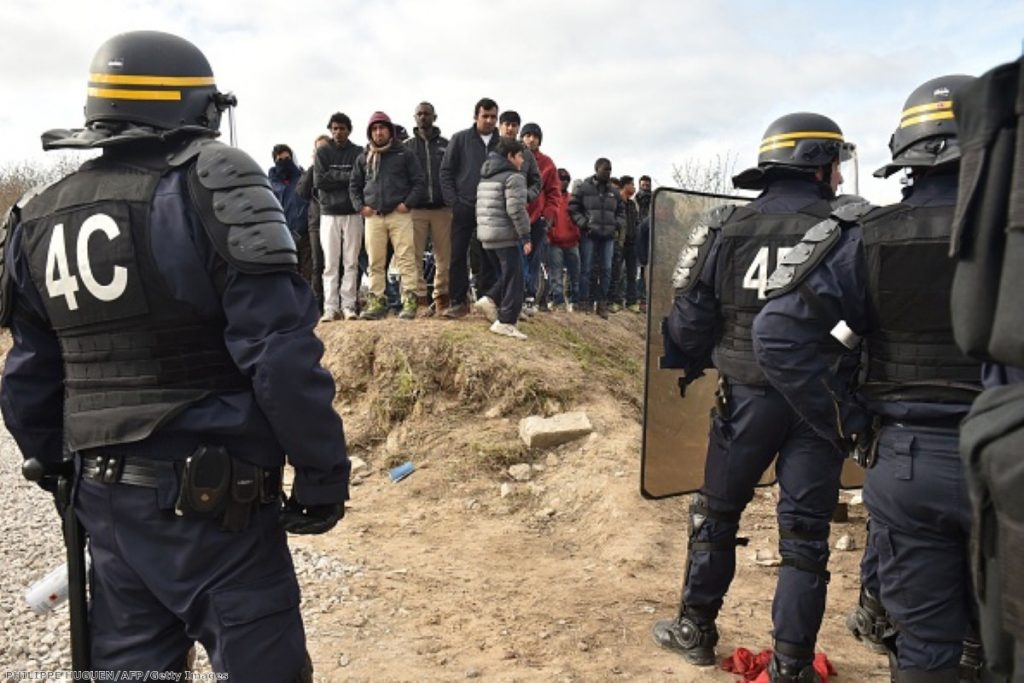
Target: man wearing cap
386, 181
542, 212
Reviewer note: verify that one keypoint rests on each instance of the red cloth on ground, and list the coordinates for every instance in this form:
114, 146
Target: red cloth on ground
753, 668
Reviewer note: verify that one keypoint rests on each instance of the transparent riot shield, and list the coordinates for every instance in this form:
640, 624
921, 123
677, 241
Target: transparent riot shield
675, 434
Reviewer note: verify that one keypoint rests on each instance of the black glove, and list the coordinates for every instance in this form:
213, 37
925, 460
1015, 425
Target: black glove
310, 519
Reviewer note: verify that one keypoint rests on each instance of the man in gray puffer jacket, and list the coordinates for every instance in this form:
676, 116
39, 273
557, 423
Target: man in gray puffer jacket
503, 228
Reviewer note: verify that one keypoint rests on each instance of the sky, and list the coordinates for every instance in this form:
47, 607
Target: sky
649, 85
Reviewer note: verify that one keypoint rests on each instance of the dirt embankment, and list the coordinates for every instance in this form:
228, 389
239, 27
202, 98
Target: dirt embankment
442, 577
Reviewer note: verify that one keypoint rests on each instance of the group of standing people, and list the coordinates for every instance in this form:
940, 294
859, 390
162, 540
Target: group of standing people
399, 196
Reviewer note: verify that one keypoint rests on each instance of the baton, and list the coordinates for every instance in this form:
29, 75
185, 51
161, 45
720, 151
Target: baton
74, 541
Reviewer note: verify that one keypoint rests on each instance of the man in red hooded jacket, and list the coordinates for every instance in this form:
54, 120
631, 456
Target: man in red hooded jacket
564, 251
542, 212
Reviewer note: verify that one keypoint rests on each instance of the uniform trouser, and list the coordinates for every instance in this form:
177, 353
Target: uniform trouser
341, 238
569, 259
507, 290
595, 253
437, 224
538, 255
398, 229
160, 582
740, 449
920, 526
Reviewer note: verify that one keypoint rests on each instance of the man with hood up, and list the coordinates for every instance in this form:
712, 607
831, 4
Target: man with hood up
386, 182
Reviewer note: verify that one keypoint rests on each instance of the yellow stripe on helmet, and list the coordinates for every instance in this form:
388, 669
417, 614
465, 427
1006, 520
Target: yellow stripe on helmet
942, 105
170, 81
776, 145
803, 135
923, 118
115, 94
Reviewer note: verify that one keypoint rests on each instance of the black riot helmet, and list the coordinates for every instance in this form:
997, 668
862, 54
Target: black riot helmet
795, 144
927, 134
149, 78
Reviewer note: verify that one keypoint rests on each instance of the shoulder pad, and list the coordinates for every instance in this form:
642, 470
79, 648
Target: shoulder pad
698, 245
852, 211
241, 214
815, 246
10, 219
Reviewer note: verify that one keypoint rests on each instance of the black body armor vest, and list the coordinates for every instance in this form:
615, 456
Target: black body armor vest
134, 357
751, 245
912, 355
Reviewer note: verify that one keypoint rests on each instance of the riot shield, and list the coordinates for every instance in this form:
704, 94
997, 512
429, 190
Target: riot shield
675, 438
675, 430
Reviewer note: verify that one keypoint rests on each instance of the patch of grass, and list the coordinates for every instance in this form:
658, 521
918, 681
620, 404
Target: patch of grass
497, 455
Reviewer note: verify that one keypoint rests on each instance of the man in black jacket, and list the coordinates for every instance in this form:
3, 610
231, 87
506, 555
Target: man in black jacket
460, 175
430, 217
341, 226
598, 209
386, 181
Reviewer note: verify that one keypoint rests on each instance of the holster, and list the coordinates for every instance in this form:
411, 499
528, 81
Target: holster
215, 485
723, 399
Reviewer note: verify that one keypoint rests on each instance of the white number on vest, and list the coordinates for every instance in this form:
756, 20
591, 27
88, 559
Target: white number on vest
760, 269
60, 281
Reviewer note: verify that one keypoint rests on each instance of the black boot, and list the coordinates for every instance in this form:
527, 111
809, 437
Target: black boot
787, 673
694, 641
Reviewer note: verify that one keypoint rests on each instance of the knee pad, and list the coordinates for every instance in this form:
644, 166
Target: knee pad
817, 539
870, 623
701, 514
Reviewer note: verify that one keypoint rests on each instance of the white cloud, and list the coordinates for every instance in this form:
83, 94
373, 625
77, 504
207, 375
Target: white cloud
647, 85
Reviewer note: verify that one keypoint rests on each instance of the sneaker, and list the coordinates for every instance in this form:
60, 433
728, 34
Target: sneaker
486, 306
614, 308
570, 307
329, 315
633, 308
457, 311
695, 642
507, 330
409, 307
350, 314
375, 310
529, 310
602, 309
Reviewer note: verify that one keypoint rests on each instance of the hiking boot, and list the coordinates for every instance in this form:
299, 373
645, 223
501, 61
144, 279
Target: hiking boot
695, 642
376, 309
614, 308
487, 307
602, 309
457, 311
507, 330
789, 673
409, 307
329, 315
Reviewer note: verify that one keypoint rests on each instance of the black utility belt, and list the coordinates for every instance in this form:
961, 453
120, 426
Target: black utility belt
213, 485
940, 423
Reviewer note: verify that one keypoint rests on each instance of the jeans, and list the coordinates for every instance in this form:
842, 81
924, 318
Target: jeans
602, 250
569, 258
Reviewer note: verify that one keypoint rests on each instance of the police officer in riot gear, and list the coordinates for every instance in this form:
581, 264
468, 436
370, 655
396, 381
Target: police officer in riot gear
163, 339
886, 272
720, 288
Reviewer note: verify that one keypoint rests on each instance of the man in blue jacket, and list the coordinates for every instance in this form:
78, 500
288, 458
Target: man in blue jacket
886, 272
460, 175
163, 339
